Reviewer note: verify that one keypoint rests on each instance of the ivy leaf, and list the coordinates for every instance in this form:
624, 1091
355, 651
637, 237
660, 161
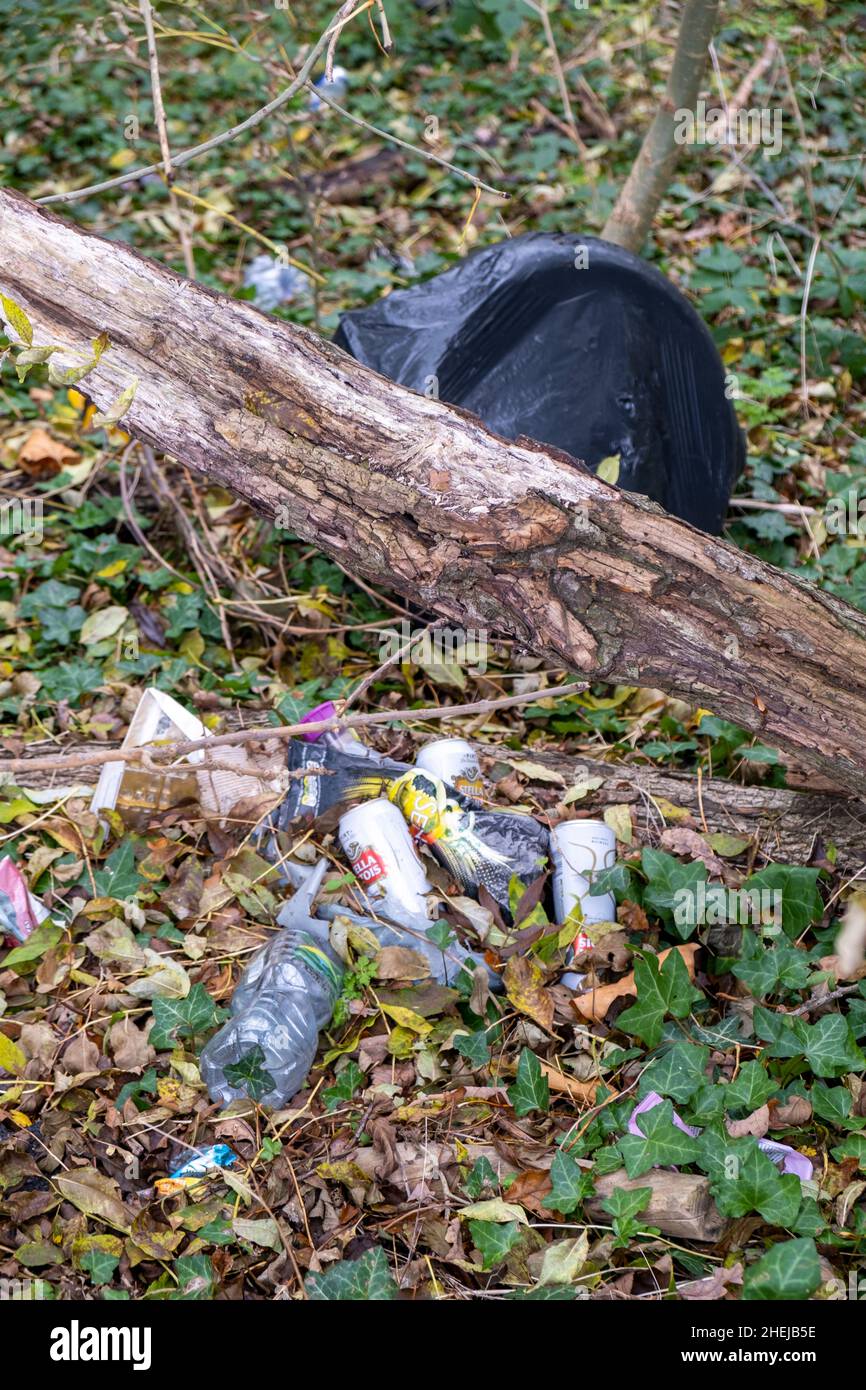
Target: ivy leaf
660, 991
625, 1202
347, 1083
831, 1049
183, 1018
832, 1103
249, 1074
119, 878
786, 1036
743, 1179
617, 880
440, 934
852, 1147
750, 1089
663, 1142
679, 1073
482, 1175
791, 1270
99, 1264
671, 889
494, 1239
801, 903
779, 969
571, 1184
365, 1280
827, 1045
474, 1047
68, 680
706, 1105
530, 1090
195, 1278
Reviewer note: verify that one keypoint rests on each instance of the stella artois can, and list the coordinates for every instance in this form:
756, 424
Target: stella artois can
581, 849
455, 761
375, 839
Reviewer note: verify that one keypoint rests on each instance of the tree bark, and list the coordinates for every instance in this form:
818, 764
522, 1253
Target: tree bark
652, 171
792, 826
419, 496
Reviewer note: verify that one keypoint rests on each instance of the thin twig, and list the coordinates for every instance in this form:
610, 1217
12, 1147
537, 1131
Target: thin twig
541, 11
193, 152
405, 145
162, 132
394, 660
819, 1003
804, 315
262, 114
180, 749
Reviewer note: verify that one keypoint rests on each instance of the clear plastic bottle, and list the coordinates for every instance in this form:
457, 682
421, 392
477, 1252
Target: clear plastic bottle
284, 999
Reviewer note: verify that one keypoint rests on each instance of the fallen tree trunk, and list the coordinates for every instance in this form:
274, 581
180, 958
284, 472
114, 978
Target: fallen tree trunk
789, 826
418, 496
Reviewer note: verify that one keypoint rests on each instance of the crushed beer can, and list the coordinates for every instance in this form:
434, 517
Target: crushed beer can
474, 845
455, 761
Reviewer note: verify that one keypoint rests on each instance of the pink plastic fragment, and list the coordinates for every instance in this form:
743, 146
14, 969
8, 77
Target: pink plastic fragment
790, 1160
17, 918
649, 1102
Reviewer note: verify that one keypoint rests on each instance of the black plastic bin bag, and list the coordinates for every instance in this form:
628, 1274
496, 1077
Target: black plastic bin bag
577, 343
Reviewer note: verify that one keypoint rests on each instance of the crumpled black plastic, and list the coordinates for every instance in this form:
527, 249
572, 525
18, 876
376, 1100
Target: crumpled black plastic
602, 361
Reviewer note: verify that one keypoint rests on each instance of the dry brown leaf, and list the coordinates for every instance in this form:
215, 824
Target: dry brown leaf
42, 456
679, 840
632, 916
523, 978
129, 1046
80, 1055
401, 963
611, 952
94, 1194
529, 1189
714, 1287
480, 991
755, 1124
582, 1091
595, 1003
796, 1111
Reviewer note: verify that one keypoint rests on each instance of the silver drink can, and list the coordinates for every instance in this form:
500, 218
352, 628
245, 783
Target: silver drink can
455, 761
579, 850
375, 839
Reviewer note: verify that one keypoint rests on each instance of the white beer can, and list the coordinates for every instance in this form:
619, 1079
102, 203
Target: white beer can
375, 839
455, 761
579, 850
